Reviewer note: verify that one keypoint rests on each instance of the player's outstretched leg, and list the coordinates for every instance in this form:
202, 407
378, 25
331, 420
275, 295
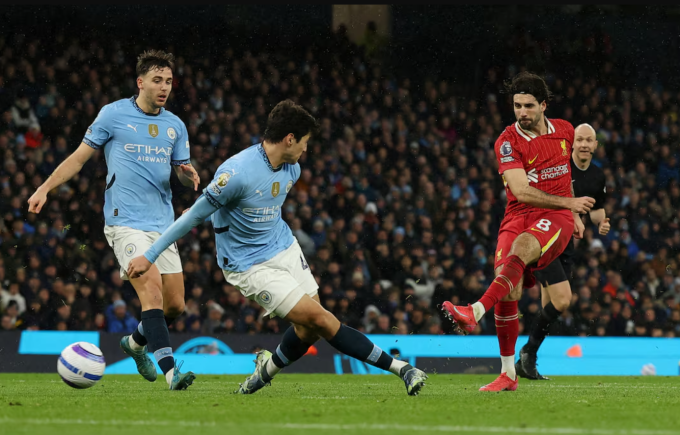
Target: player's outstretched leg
135, 344
316, 321
155, 329
525, 250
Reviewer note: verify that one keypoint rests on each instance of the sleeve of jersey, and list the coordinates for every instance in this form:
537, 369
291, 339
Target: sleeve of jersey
180, 152
507, 154
228, 186
198, 212
101, 129
601, 196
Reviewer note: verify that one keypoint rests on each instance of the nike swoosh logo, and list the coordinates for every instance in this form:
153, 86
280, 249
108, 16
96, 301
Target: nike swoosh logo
463, 315
533, 160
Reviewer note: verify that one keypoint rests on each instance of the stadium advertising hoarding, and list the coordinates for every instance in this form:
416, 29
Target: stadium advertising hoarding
36, 352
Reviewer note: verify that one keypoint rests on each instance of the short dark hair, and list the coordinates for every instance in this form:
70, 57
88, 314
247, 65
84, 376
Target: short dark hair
288, 117
529, 83
154, 59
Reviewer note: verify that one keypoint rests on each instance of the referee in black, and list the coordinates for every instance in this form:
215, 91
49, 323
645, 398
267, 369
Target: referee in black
588, 180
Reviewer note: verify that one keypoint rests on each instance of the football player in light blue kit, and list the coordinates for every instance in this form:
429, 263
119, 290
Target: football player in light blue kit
259, 255
141, 142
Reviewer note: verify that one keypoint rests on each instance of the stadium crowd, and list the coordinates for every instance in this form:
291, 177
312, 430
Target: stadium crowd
397, 208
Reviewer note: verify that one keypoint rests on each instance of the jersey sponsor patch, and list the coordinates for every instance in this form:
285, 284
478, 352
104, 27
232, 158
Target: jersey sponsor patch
507, 159
506, 148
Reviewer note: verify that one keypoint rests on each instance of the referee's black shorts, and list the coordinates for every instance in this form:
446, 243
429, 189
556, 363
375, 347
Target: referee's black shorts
559, 270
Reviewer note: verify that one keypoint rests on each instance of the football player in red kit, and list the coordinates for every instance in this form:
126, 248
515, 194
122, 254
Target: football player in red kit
533, 156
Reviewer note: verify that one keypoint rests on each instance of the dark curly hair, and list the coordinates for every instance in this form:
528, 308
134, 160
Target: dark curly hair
288, 117
154, 59
529, 83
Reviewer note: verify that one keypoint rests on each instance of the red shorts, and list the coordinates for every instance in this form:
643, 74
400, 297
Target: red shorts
552, 228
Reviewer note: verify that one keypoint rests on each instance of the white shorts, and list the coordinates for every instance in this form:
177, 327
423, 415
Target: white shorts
128, 243
278, 284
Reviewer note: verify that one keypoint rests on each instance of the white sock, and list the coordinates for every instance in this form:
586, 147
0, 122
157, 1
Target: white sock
508, 366
396, 366
271, 368
478, 310
169, 375
133, 344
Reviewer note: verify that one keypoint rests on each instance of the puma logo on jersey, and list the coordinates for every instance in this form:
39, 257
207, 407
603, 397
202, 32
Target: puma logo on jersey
134, 128
258, 191
531, 162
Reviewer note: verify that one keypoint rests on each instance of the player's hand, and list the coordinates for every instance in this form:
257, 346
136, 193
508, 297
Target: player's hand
138, 266
604, 227
190, 173
36, 201
581, 205
579, 228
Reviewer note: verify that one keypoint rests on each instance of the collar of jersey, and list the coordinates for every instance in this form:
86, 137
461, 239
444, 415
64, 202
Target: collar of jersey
528, 135
265, 157
139, 109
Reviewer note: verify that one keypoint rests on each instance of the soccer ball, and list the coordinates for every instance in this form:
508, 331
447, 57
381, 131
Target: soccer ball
648, 370
81, 365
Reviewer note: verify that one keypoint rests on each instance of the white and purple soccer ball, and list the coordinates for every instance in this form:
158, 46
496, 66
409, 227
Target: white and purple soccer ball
81, 365
648, 370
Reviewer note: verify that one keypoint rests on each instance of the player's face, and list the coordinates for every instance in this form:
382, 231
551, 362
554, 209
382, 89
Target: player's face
585, 143
156, 85
296, 148
528, 111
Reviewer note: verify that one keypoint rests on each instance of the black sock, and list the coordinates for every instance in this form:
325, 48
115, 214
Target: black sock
138, 335
288, 351
355, 344
156, 332
540, 329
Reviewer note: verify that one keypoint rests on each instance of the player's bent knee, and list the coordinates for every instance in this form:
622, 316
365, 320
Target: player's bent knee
174, 308
527, 248
306, 334
324, 323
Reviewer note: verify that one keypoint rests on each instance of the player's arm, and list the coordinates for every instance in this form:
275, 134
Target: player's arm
579, 228
198, 212
181, 160
187, 175
519, 186
598, 215
64, 172
97, 135
227, 187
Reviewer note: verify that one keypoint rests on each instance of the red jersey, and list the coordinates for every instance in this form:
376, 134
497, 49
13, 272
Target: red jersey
546, 160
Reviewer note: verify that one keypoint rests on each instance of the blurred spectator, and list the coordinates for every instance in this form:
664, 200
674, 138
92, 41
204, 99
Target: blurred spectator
119, 320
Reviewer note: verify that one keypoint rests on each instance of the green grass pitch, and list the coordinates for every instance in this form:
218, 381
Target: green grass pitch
330, 404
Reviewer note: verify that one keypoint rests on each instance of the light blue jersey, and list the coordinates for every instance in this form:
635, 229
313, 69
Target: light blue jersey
249, 195
245, 200
139, 149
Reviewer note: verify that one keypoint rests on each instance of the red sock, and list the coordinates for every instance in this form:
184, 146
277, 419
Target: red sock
507, 326
509, 277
